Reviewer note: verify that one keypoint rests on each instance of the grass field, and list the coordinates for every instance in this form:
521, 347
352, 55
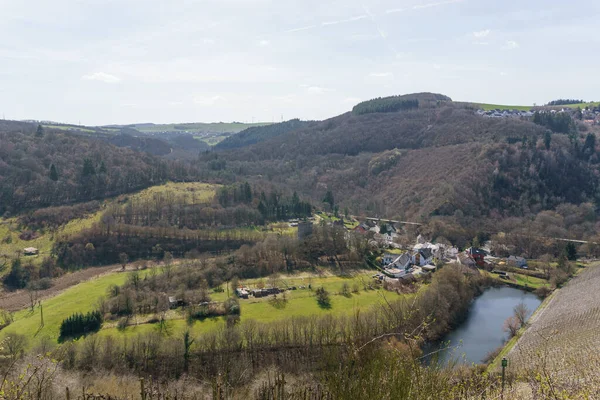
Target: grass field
212, 140
566, 329
198, 127
196, 192
301, 302
488, 107
522, 280
79, 298
45, 241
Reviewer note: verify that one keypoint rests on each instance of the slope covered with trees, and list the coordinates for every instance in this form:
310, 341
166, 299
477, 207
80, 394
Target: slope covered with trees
40, 168
419, 163
258, 134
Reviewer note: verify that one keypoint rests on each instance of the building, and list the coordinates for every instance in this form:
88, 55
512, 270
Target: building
517, 261
422, 257
362, 228
477, 255
388, 258
403, 262
395, 272
30, 251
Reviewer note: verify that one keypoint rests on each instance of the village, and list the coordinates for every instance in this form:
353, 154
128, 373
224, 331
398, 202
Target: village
588, 115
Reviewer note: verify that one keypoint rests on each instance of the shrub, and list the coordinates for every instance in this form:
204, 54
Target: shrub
323, 298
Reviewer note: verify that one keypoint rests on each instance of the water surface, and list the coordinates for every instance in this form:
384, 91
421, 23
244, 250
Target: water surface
482, 332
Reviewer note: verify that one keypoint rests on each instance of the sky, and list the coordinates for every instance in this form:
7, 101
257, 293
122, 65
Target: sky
99, 62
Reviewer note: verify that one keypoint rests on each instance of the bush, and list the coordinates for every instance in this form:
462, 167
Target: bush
323, 298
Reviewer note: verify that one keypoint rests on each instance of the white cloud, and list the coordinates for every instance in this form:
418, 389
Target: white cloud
441, 3
481, 34
381, 74
317, 90
304, 28
264, 43
480, 43
102, 77
511, 45
208, 41
395, 10
341, 21
503, 73
208, 101
351, 100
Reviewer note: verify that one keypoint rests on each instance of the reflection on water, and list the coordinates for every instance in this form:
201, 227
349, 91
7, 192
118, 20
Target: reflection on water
482, 332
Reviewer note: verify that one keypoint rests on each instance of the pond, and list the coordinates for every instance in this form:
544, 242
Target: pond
482, 332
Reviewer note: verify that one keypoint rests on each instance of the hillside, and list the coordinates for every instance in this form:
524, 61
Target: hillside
418, 163
258, 134
195, 127
57, 168
562, 334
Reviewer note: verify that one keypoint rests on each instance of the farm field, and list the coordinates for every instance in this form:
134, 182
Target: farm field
566, 329
196, 192
79, 298
212, 140
301, 302
44, 242
216, 127
523, 280
488, 107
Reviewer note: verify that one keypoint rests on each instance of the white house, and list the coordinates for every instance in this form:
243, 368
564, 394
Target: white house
422, 257
402, 262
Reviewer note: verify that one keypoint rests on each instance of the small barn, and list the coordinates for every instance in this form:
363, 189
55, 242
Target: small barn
30, 251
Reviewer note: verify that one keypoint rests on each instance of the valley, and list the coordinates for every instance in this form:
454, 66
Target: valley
296, 246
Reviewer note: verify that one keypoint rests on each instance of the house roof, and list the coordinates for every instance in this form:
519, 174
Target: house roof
403, 260
426, 252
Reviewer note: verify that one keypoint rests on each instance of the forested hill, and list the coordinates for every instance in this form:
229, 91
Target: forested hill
259, 134
438, 159
351, 134
40, 168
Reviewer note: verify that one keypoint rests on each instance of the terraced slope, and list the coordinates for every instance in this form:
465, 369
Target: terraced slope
564, 335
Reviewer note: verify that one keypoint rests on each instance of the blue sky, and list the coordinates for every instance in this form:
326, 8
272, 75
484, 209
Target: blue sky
126, 61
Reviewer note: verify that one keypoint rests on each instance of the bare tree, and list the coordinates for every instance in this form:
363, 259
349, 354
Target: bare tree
32, 291
14, 346
521, 313
511, 325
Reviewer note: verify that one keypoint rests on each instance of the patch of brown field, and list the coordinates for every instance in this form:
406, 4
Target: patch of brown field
19, 299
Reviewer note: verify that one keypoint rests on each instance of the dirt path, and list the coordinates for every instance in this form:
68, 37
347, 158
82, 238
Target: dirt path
18, 300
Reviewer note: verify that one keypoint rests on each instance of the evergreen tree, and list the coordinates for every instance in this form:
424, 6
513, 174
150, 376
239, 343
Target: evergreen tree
547, 139
329, 199
88, 167
40, 131
16, 277
571, 251
102, 168
53, 173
